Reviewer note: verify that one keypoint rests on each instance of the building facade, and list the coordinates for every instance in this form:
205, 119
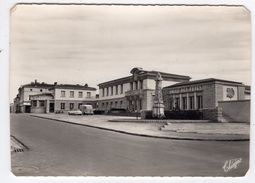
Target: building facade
201, 94
22, 103
45, 98
135, 92
207, 96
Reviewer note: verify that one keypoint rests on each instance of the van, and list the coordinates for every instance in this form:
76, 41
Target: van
87, 109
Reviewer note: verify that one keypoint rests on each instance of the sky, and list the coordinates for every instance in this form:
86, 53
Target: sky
78, 44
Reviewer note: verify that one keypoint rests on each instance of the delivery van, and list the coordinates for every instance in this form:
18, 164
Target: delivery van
87, 109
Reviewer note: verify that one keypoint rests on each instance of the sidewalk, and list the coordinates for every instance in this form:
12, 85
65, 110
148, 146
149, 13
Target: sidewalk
151, 129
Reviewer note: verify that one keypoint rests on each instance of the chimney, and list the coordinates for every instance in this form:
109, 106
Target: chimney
86, 85
55, 83
35, 81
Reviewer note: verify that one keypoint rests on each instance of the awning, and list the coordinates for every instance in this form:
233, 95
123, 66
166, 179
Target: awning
26, 103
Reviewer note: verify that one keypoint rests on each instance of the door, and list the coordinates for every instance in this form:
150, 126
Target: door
27, 109
51, 107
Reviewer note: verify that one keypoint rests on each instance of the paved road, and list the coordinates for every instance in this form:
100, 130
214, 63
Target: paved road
57, 148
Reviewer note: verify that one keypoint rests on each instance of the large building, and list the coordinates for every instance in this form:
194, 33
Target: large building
134, 92
207, 95
44, 98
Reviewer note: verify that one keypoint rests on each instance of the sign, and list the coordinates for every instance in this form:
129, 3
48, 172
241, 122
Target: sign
229, 93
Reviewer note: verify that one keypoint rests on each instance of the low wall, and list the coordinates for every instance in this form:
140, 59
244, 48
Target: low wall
214, 114
38, 110
235, 111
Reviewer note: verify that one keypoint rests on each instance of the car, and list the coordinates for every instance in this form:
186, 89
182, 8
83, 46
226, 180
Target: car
75, 112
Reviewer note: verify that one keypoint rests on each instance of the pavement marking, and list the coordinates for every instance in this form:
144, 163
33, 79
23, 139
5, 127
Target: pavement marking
17, 145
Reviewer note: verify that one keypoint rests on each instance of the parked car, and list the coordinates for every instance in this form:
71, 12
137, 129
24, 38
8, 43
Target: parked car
75, 112
87, 109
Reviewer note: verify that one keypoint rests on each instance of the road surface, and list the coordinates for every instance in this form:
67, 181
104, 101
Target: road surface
61, 149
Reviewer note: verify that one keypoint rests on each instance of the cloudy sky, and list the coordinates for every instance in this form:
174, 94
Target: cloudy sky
92, 44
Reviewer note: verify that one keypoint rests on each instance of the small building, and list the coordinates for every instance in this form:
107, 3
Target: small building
45, 98
22, 103
134, 92
205, 95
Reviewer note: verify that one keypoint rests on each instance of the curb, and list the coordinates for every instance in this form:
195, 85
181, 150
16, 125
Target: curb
141, 135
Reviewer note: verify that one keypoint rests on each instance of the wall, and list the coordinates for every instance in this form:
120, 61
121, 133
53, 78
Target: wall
76, 93
67, 104
235, 111
38, 109
123, 106
208, 95
34, 91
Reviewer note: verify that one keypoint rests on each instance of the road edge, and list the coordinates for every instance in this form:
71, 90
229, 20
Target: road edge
141, 135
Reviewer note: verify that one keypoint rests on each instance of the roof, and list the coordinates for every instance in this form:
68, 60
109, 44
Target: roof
70, 86
53, 86
37, 85
143, 74
203, 81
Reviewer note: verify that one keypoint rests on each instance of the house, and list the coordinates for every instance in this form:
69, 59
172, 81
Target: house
45, 98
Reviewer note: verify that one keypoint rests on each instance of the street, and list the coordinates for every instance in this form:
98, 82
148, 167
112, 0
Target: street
61, 149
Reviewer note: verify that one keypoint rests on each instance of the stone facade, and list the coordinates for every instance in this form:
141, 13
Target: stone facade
203, 95
136, 91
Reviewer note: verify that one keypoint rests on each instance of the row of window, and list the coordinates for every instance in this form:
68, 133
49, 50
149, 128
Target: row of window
63, 106
187, 103
41, 103
41, 90
110, 90
71, 94
136, 85
112, 104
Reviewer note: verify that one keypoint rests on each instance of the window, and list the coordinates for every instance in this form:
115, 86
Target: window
107, 91
191, 102
136, 85
103, 92
41, 90
71, 106
103, 105
184, 103
116, 89
131, 86
62, 105
116, 104
31, 89
79, 105
41, 103
112, 90
63, 93
34, 103
199, 102
88, 94
177, 103
141, 84
121, 103
71, 94
80, 94
111, 104
121, 88
140, 104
